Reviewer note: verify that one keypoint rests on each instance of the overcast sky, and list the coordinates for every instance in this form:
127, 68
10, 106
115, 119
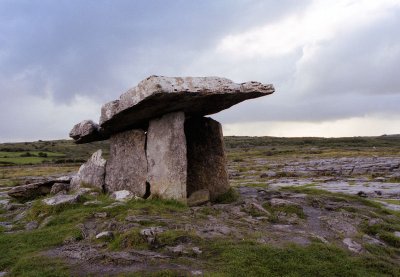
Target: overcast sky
335, 64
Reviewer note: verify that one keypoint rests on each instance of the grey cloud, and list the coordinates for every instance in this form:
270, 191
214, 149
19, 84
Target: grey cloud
81, 47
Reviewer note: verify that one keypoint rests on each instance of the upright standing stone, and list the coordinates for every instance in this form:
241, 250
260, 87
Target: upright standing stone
91, 173
166, 156
127, 166
206, 157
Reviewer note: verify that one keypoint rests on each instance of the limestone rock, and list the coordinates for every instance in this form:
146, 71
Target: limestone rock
122, 195
277, 202
198, 197
32, 225
86, 131
61, 199
157, 95
31, 191
207, 167
166, 156
91, 173
127, 166
352, 245
105, 235
59, 188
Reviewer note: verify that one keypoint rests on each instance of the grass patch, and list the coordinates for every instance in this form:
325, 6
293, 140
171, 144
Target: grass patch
227, 258
25, 244
287, 209
174, 237
130, 239
40, 266
228, 197
153, 206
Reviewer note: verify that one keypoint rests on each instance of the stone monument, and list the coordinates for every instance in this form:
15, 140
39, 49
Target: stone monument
160, 142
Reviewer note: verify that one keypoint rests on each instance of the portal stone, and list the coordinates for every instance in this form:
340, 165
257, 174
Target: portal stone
127, 166
206, 157
166, 157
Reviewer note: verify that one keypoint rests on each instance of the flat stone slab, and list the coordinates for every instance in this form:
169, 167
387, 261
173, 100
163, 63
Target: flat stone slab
158, 95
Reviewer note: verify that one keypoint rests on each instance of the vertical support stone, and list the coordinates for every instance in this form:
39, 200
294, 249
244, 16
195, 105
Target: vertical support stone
207, 167
166, 156
126, 168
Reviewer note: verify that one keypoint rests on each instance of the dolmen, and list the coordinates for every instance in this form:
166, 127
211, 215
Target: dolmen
161, 145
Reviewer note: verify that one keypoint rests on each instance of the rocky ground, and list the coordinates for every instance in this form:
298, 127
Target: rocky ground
286, 215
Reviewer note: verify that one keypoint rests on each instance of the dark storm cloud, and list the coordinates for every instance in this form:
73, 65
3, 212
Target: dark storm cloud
60, 60
99, 48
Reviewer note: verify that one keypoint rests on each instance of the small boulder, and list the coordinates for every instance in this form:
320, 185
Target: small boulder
61, 188
31, 225
122, 195
61, 199
107, 235
86, 131
151, 233
31, 191
199, 197
91, 173
352, 245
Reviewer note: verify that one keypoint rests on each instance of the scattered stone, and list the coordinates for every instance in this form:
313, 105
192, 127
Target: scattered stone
268, 174
276, 202
380, 179
362, 194
115, 204
127, 166
86, 131
352, 245
31, 225
14, 206
61, 199
151, 233
91, 173
93, 202
3, 273
31, 191
320, 238
371, 240
206, 167
196, 272
166, 157
397, 234
101, 215
177, 250
258, 208
122, 195
196, 250
20, 216
59, 188
199, 197
105, 235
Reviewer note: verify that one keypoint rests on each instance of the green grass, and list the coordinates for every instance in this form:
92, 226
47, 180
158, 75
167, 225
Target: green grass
231, 258
288, 209
228, 197
21, 247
